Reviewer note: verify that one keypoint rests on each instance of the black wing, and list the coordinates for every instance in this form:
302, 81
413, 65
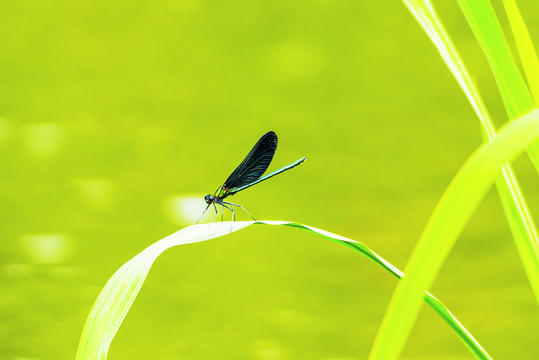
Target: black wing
255, 163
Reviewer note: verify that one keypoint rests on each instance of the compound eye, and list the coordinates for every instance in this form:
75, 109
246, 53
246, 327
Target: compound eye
208, 198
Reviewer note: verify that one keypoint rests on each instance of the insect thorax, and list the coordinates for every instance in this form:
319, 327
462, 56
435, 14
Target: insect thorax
221, 192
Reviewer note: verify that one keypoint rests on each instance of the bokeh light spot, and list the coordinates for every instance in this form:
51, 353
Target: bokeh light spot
17, 270
44, 140
182, 209
268, 350
47, 248
96, 192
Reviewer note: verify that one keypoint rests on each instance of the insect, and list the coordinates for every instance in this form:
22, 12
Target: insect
247, 174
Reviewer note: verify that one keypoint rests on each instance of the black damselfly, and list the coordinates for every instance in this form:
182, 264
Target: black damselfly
248, 173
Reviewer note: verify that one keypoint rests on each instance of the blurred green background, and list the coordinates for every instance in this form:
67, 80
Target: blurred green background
114, 116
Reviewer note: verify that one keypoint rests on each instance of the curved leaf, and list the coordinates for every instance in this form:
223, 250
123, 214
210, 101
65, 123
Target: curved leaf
118, 295
451, 214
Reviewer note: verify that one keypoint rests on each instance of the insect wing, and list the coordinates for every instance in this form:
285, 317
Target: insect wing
255, 163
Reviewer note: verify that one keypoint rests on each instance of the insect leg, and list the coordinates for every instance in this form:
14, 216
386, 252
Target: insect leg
216, 212
226, 206
220, 202
222, 211
202, 214
233, 211
241, 208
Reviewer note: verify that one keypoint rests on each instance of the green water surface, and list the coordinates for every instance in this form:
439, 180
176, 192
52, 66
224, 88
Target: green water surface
114, 116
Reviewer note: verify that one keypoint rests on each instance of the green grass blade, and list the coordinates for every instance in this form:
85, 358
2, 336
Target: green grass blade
426, 16
473, 345
119, 293
525, 47
513, 90
114, 301
488, 32
516, 210
447, 221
